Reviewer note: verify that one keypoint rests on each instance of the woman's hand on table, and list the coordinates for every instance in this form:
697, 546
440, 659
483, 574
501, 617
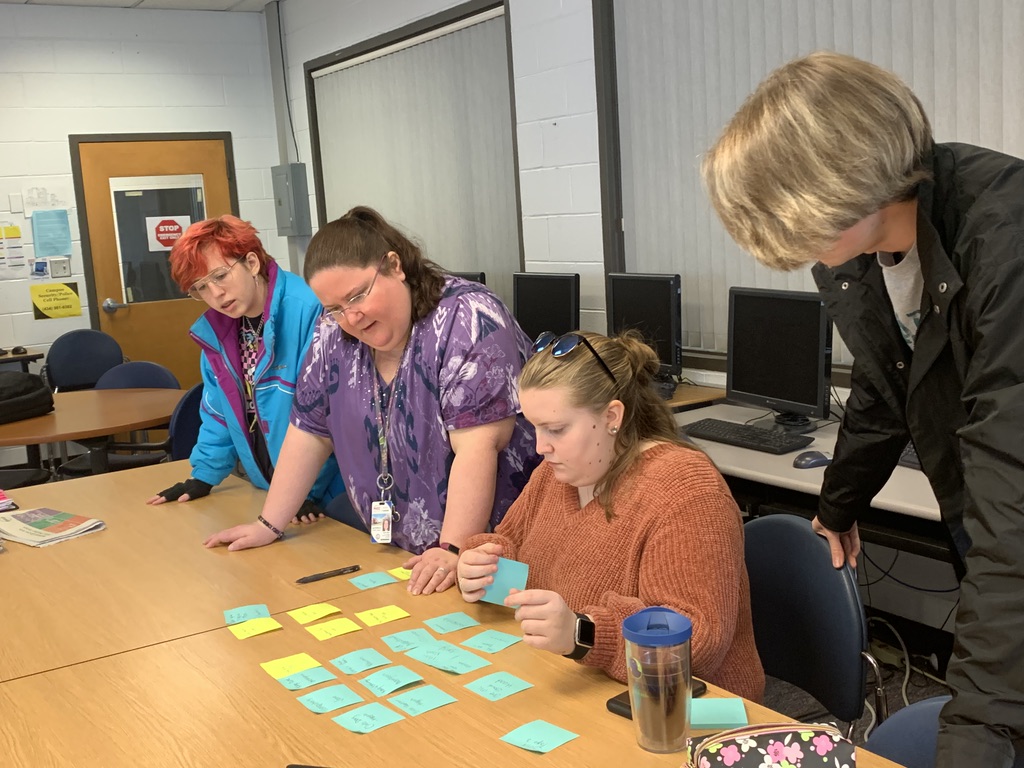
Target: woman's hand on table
309, 512
547, 622
476, 570
242, 537
433, 571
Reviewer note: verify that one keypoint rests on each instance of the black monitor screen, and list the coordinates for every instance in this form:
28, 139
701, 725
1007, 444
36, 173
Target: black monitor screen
546, 302
652, 305
780, 351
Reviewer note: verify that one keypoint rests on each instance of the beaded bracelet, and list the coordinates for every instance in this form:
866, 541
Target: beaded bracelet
278, 531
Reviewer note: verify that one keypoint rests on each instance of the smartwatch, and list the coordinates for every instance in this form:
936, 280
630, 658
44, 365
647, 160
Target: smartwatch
583, 637
449, 547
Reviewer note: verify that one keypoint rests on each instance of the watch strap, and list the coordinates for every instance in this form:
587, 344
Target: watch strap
581, 649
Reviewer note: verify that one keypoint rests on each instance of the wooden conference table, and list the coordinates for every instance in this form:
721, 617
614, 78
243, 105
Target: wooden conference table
134, 666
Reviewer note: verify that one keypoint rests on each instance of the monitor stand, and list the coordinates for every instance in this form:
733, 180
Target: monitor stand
665, 385
788, 422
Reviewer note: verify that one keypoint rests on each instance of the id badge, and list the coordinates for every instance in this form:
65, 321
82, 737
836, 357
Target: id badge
380, 521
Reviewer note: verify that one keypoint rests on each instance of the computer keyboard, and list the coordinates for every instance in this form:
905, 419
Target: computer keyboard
746, 436
909, 457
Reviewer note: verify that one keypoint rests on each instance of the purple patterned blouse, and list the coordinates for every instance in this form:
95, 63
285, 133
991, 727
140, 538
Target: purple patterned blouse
458, 370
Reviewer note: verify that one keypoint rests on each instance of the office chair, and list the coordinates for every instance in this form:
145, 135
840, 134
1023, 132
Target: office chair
809, 624
77, 359
102, 455
475, 277
20, 478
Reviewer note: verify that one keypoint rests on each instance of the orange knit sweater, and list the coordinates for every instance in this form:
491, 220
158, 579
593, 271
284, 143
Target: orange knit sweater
676, 540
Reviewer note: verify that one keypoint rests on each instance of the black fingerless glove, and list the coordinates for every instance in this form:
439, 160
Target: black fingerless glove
195, 489
310, 509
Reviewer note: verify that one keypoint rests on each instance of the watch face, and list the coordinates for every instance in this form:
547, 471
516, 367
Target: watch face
585, 631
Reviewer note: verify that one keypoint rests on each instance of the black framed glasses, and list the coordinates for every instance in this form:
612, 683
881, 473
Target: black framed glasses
561, 346
334, 313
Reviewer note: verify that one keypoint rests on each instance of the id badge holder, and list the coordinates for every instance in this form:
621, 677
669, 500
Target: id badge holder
381, 513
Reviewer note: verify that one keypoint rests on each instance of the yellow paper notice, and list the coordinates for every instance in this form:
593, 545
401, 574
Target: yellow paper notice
400, 573
333, 628
52, 300
289, 665
253, 627
313, 612
381, 615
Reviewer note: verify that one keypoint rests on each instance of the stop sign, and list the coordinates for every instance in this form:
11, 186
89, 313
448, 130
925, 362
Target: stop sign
167, 231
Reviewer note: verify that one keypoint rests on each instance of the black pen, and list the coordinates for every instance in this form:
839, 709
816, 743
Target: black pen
328, 574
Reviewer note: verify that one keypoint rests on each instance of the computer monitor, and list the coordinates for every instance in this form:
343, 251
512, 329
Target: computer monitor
652, 304
544, 301
780, 354
476, 277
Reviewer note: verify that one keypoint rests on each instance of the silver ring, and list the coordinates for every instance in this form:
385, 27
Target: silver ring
442, 569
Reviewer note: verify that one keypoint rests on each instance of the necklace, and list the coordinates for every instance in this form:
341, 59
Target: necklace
249, 344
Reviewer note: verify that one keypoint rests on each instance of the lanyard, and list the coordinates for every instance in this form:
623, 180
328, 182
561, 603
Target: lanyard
385, 480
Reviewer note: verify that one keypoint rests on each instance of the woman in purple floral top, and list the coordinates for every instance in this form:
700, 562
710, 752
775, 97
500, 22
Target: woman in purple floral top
434, 358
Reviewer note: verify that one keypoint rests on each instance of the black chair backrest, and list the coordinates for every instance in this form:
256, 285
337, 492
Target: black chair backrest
809, 623
77, 359
185, 423
138, 374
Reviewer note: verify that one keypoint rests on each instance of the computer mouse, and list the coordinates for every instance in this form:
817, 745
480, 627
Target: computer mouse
2, 351
18, 351
812, 459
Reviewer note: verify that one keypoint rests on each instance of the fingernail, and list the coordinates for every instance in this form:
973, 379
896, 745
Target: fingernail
415, 591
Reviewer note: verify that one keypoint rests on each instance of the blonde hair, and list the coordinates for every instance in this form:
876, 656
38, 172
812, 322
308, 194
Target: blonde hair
645, 414
825, 141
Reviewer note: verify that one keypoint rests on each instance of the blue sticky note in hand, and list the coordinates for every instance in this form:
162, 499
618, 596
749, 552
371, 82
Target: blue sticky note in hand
491, 641
422, 699
371, 580
306, 678
538, 736
360, 661
511, 575
329, 699
245, 612
451, 622
388, 680
407, 640
368, 718
498, 686
717, 714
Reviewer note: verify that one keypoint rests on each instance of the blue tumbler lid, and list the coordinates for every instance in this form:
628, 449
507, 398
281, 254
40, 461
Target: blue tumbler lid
657, 626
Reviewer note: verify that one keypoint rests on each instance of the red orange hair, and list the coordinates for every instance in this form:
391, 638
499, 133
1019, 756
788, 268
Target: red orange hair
232, 236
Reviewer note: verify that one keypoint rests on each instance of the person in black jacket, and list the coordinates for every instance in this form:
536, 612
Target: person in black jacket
920, 260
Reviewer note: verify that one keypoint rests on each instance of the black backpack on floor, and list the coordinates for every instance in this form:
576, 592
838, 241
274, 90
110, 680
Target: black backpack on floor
22, 396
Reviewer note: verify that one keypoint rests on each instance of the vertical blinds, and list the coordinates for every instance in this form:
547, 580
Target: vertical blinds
685, 66
424, 135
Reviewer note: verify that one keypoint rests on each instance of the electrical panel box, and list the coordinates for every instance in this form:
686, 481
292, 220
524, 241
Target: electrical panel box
291, 199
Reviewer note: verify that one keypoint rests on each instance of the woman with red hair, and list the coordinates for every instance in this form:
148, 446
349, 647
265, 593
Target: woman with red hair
253, 338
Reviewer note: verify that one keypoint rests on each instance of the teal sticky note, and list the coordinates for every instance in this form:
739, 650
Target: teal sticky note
498, 686
538, 736
245, 612
422, 699
371, 580
306, 678
451, 622
717, 714
448, 657
388, 680
406, 641
511, 575
368, 718
491, 641
329, 699
360, 661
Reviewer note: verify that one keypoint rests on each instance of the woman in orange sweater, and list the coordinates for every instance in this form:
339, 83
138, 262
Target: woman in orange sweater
620, 516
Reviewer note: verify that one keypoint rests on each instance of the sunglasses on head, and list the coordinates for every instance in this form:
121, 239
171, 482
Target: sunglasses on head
561, 346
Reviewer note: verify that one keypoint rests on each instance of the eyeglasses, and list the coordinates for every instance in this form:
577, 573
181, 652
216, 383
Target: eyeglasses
217, 277
562, 345
333, 314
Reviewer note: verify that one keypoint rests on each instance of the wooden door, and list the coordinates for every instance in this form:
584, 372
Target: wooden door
113, 172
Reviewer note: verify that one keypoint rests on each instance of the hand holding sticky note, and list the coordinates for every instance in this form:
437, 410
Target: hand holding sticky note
511, 575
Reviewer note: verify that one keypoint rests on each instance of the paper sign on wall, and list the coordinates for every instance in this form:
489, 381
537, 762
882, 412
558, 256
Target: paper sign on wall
163, 231
53, 300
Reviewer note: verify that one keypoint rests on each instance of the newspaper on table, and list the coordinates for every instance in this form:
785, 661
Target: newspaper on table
42, 527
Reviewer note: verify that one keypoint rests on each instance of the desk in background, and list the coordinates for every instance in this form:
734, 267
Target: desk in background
905, 512
689, 396
30, 356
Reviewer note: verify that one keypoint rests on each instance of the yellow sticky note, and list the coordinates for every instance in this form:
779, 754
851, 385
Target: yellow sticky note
400, 573
381, 615
254, 627
333, 628
313, 612
289, 665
